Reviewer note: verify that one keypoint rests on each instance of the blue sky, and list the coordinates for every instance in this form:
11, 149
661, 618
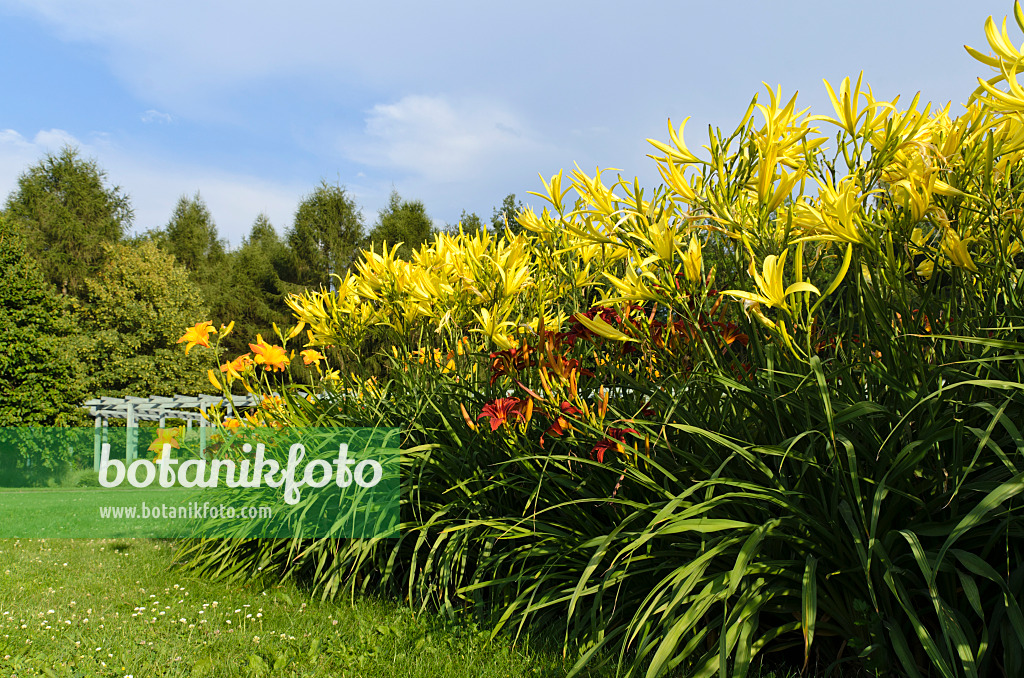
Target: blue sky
452, 103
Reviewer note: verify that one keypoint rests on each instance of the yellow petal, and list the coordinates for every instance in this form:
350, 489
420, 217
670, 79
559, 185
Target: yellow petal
601, 328
801, 287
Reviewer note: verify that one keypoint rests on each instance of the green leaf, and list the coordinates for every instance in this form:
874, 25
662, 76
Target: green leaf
809, 605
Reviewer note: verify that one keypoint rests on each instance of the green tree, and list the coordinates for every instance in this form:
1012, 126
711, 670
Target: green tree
503, 219
134, 312
68, 213
191, 236
470, 222
256, 274
402, 221
41, 376
326, 235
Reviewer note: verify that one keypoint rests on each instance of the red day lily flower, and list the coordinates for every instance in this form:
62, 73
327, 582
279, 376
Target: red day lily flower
502, 410
561, 424
615, 437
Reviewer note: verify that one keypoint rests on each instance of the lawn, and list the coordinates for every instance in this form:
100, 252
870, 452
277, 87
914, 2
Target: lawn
30, 512
71, 607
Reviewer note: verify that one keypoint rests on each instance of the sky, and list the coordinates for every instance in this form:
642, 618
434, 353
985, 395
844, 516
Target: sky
252, 104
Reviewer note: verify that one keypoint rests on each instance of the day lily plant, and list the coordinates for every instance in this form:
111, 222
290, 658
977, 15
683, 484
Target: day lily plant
772, 404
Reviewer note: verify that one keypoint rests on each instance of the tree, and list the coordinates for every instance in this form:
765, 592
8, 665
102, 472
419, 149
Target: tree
469, 221
326, 235
256, 287
134, 311
41, 377
402, 221
503, 220
68, 214
191, 236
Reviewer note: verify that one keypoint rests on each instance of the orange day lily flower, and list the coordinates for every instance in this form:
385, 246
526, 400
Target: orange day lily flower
164, 436
198, 335
272, 402
235, 368
271, 357
311, 356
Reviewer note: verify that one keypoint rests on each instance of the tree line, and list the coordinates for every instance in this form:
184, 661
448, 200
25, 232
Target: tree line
89, 309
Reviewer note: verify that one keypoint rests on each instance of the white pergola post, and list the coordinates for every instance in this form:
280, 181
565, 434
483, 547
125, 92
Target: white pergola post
202, 432
97, 444
130, 452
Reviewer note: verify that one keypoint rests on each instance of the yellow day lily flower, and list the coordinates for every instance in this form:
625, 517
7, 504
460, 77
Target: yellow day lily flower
674, 179
955, 250
838, 214
601, 328
913, 180
553, 192
920, 245
632, 287
680, 154
846, 105
594, 192
529, 220
493, 327
769, 284
514, 280
774, 195
784, 137
693, 261
660, 238
1008, 61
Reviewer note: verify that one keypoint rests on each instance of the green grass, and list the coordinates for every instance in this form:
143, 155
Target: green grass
115, 608
29, 512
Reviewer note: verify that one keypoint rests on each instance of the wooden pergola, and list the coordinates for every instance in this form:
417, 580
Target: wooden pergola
154, 408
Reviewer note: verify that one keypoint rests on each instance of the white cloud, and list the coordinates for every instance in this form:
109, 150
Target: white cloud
53, 140
9, 136
153, 115
193, 55
440, 140
17, 152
